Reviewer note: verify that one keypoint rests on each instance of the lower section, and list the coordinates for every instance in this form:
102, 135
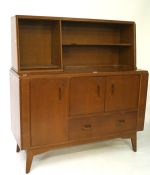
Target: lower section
30, 153
58, 110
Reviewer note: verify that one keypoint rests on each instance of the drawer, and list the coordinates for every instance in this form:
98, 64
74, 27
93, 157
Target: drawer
87, 127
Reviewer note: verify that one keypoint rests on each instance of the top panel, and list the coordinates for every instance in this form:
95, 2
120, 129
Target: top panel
73, 19
63, 44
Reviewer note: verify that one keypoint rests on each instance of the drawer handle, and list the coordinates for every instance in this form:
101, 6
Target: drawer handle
121, 121
87, 127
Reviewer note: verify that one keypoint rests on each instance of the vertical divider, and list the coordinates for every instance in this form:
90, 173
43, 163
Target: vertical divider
60, 28
56, 44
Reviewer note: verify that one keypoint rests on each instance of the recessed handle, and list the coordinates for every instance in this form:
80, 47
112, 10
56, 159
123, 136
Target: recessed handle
98, 90
59, 94
121, 121
87, 127
112, 89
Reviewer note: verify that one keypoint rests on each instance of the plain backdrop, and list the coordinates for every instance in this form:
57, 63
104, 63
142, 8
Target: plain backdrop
109, 157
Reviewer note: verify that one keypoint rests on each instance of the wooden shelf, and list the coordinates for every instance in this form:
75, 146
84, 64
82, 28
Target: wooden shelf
97, 44
51, 66
98, 68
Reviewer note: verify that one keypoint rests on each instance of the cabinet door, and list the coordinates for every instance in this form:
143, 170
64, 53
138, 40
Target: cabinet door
122, 92
48, 111
87, 95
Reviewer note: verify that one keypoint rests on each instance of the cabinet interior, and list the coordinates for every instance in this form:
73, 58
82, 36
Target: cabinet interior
75, 45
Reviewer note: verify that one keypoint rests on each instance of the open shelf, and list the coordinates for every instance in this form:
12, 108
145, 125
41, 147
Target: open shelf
95, 33
57, 43
39, 43
108, 45
96, 55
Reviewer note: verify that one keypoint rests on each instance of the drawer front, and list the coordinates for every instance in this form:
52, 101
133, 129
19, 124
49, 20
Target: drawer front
88, 127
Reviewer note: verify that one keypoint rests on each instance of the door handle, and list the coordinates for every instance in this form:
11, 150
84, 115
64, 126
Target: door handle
59, 94
112, 89
98, 90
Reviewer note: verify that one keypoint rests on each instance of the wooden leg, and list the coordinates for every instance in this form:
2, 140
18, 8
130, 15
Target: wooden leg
134, 142
29, 158
17, 149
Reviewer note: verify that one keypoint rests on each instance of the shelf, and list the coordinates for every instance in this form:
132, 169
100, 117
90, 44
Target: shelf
98, 68
97, 44
51, 66
39, 44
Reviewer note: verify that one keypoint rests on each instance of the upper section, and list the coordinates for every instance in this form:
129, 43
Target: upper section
69, 44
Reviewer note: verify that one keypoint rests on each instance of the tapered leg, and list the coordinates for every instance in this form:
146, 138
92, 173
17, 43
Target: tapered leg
29, 158
17, 149
134, 142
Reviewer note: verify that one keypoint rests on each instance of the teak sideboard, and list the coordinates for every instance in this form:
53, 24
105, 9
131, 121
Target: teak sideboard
74, 81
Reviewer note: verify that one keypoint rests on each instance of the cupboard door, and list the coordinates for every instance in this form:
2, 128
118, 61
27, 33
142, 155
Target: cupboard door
48, 111
122, 92
87, 95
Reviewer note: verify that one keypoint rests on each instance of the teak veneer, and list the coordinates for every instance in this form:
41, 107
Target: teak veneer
74, 81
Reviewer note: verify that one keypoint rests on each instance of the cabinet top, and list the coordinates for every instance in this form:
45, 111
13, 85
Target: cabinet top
72, 19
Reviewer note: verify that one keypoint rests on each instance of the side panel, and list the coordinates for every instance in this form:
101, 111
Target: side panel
15, 107
25, 111
14, 43
142, 101
20, 109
